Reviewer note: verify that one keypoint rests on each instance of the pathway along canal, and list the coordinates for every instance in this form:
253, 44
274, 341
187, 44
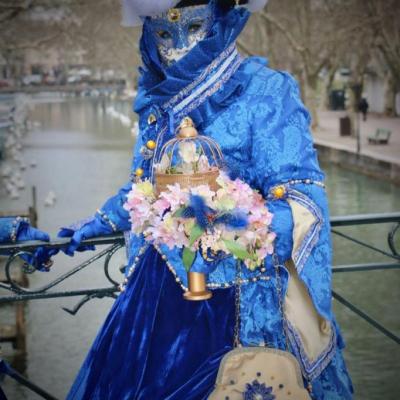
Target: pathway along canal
84, 154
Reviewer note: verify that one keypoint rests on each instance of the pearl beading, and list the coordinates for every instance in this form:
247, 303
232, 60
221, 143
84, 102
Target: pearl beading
132, 268
15, 226
107, 219
275, 191
307, 182
210, 285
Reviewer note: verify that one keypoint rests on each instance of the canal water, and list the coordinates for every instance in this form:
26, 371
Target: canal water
83, 154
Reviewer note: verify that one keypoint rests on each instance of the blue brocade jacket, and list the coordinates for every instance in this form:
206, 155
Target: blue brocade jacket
257, 117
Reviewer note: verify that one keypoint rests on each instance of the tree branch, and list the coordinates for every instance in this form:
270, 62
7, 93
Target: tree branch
296, 46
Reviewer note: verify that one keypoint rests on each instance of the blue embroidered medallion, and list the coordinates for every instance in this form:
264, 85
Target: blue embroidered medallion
258, 391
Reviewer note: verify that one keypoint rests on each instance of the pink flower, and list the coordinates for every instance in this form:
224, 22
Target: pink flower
175, 196
161, 205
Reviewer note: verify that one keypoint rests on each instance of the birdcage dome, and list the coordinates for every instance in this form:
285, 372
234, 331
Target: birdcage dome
189, 159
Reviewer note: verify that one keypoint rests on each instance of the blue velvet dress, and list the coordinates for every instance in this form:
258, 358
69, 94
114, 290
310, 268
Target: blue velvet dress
154, 345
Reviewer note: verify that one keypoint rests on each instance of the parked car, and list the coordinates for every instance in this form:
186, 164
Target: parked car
74, 79
50, 80
4, 83
34, 79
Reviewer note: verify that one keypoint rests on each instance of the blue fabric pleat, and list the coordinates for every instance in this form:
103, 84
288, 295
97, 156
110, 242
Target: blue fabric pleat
156, 345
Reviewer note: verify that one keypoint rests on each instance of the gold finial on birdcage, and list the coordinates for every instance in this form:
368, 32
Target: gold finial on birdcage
187, 129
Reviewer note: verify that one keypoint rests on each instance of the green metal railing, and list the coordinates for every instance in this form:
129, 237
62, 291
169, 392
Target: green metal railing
391, 254
14, 292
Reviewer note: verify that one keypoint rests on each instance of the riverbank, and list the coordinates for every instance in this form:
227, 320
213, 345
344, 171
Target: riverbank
379, 161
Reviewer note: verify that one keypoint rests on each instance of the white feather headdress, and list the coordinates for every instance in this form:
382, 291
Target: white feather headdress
133, 10
256, 5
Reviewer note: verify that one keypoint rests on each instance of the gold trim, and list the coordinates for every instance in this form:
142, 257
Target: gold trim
151, 119
187, 129
174, 15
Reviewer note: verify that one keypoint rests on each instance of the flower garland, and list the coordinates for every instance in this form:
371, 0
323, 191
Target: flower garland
231, 221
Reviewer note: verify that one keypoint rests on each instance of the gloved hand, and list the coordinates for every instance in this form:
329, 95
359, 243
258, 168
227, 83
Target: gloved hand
86, 229
94, 227
27, 233
112, 217
39, 259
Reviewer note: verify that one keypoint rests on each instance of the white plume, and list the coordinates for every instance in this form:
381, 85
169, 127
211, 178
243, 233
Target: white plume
256, 5
132, 10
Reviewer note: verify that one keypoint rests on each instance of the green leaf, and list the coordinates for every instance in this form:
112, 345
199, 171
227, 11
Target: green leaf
195, 233
188, 257
237, 250
178, 212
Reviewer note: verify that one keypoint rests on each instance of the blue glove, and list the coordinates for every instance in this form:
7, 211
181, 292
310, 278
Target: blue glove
85, 229
39, 259
27, 233
91, 228
110, 219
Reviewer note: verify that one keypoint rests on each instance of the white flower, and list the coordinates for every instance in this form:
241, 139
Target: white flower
188, 152
204, 165
164, 164
187, 168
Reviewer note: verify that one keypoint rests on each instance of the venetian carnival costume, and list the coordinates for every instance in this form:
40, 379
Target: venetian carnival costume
154, 345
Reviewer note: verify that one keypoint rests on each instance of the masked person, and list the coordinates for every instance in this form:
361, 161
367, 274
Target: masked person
156, 346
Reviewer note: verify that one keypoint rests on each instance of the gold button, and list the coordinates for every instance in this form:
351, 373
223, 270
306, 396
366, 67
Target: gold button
279, 192
152, 119
139, 172
174, 15
151, 144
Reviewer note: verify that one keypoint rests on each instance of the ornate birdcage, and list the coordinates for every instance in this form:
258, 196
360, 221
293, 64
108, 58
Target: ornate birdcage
189, 159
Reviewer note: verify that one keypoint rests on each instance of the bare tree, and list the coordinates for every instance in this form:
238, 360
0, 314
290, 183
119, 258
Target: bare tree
88, 27
312, 38
386, 30
106, 43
